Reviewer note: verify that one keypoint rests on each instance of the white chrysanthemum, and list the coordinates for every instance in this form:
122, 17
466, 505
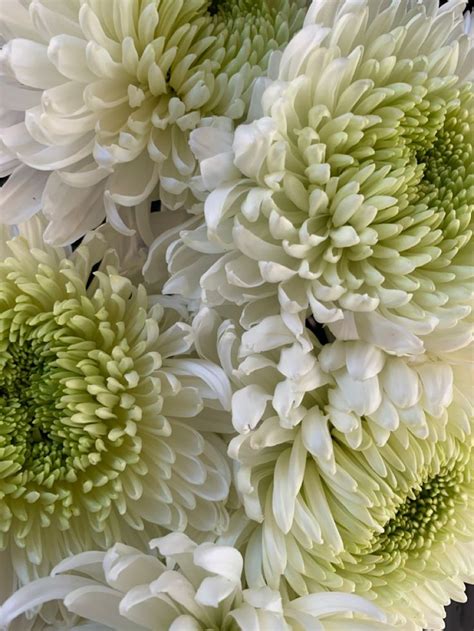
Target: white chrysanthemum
358, 465
99, 98
195, 587
351, 190
100, 406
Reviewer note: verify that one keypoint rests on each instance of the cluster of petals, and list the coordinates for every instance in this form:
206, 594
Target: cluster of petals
190, 587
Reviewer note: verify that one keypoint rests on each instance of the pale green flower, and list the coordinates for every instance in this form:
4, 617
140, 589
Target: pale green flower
357, 465
349, 192
100, 405
189, 588
101, 95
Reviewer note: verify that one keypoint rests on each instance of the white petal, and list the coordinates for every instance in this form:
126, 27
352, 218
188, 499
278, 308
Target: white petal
210, 379
133, 182
180, 589
100, 604
333, 356
30, 64
246, 617
16, 22
144, 608
213, 590
363, 360
174, 543
386, 415
320, 605
20, 196
400, 382
71, 211
315, 434
211, 140
362, 397
125, 567
113, 215
185, 623
79, 561
218, 170
287, 480
437, 380
221, 560
39, 592
295, 362
68, 54
269, 333
391, 337
248, 406
251, 145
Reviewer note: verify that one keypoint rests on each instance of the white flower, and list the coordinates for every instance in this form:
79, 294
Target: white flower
195, 587
99, 98
101, 404
349, 194
357, 464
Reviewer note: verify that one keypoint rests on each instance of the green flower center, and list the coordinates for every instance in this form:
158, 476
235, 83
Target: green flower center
448, 175
236, 8
423, 515
28, 405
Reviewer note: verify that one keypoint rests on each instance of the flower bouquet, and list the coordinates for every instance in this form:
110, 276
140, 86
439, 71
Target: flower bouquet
235, 314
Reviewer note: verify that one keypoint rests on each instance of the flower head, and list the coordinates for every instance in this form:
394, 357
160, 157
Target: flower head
350, 191
190, 587
104, 95
96, 445
356, 464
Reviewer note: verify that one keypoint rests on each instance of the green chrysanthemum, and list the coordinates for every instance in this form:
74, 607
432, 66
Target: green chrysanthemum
351, 191
95, 445
110, 91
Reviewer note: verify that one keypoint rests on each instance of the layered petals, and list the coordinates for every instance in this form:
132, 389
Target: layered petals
188, 586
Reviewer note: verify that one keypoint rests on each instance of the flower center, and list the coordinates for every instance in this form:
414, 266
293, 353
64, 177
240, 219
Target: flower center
239, 7
28, 414
449, 166
215, 6
424, 513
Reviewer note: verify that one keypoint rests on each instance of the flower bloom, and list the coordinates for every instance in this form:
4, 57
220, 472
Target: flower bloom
350, 191
100, 98
357, 465
98, 398
191, 586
